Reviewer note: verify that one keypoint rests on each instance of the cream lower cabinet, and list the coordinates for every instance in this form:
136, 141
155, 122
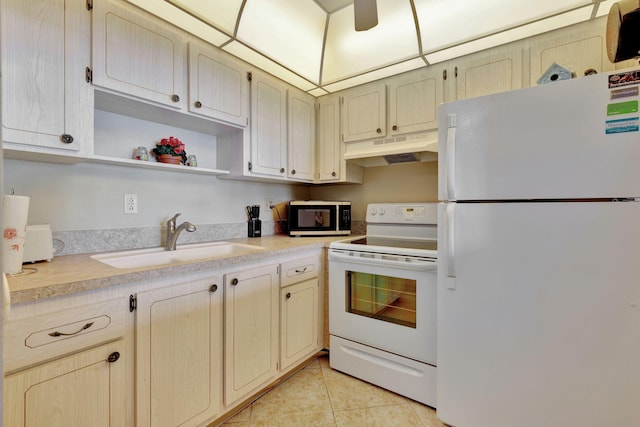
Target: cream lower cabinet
179, 354
84, 389
251, 330
300, 311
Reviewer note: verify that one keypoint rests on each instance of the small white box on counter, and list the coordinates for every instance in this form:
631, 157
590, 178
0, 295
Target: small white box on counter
38, 243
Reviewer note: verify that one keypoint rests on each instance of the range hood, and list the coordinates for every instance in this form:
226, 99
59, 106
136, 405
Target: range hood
419, 147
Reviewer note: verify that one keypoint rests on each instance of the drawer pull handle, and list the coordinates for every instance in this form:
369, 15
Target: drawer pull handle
301, 271
62, 334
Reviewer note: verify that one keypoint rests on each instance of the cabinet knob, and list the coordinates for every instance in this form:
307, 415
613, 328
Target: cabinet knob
395, 127
175, 98
66, 138
113, 357
234, 282
198, 104
293, 171
379, 130
281, 170
333, 174
288, 295
214, 288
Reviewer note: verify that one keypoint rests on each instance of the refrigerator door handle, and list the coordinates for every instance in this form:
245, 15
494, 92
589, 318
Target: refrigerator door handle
450, 241
451, 157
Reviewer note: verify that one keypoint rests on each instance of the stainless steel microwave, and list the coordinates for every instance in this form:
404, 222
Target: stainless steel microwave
319, 218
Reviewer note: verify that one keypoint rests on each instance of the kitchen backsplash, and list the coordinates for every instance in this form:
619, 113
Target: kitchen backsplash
117, 239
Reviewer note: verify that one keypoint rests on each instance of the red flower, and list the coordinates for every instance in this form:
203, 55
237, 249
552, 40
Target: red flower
10, 233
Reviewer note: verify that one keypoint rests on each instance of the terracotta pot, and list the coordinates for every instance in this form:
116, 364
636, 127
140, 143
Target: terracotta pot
168, 158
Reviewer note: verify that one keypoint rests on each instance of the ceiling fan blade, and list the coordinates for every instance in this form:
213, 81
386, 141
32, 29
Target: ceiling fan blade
365, 13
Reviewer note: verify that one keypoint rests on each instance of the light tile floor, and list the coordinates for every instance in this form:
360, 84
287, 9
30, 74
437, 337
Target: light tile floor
320, 396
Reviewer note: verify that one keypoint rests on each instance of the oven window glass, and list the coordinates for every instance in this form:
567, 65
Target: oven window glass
390, 299
314, 218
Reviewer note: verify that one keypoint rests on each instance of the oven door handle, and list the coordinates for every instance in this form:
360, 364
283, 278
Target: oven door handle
398, 261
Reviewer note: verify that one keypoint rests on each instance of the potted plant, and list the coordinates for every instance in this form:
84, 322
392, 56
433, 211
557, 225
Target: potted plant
170, 150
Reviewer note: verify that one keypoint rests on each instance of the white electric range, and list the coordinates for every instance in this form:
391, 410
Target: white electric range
382, 300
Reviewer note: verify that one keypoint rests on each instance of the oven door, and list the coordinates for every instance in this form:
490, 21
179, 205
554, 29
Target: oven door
384, 301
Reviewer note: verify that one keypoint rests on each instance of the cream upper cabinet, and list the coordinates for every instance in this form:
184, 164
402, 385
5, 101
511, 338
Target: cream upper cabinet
218, 85
364, 110
268, 126
47, 103
578, 48
492, 71
413, 100
86, 388
251, 330
328, 144
137, 54
179, 353
301, 136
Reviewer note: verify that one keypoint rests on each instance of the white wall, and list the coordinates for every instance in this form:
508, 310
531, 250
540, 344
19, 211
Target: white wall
408, 182
90, 196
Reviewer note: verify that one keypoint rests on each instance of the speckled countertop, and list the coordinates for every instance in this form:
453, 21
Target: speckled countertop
77, 273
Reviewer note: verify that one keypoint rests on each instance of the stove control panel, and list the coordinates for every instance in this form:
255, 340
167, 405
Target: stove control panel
409, 213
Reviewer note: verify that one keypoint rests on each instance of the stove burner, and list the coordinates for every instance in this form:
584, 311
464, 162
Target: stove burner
430, 245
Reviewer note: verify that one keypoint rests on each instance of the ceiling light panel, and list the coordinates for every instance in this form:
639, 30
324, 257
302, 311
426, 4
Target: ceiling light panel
518, 33
252, 57
349, 52
182, 19
221, 14
444, 23
289, 32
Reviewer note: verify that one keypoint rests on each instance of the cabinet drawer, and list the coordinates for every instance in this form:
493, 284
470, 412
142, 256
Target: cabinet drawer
35, 339
298, 270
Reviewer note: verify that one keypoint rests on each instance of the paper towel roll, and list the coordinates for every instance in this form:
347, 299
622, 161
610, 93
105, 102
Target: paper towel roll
14, 225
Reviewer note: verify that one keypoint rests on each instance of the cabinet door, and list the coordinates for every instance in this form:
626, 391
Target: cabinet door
46, 100
497, 70
301, 136
364, 112
84, 389
218, 86
137, 54
251, 330
328, 143
268, 126
413, 101
178, 353
299, 317
578, 49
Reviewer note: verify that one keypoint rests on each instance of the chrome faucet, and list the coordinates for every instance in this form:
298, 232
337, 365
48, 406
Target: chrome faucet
173, 232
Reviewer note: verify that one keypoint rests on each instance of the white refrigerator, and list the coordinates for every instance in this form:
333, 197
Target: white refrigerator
539, 256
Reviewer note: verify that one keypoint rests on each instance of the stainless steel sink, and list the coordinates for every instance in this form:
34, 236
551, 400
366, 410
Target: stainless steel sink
159, 256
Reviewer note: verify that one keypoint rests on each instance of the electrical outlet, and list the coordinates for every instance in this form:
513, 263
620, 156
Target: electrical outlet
130, 203
268, 202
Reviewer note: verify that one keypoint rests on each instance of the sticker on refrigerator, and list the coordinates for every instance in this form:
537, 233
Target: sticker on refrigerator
624, 79
622, 125
622, 108
625, 92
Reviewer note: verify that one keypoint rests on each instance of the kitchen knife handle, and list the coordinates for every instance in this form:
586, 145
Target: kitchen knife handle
451, 158
450, 244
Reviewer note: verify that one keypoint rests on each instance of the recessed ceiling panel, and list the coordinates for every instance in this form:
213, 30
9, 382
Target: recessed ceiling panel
221, 14
289, 32
349, 52
445, 23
